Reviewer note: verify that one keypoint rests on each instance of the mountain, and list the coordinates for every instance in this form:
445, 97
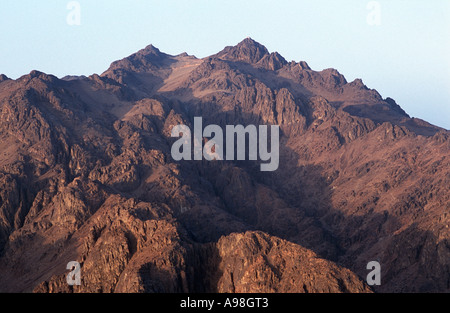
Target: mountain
87, 175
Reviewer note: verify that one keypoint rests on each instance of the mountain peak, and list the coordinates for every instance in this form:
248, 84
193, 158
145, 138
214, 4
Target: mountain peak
248, 50
3, 77
150, 49
358, 83
273, 61
250, 42
144, 60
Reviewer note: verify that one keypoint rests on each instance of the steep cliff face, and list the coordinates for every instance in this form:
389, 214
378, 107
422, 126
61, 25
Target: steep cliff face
258, 262
86, 175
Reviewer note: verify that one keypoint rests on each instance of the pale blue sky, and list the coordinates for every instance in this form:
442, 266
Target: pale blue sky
406, 57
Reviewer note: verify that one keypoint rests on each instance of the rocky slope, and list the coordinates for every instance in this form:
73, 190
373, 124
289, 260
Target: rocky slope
87, 175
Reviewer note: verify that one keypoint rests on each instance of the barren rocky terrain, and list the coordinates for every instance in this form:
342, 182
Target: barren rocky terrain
86, 174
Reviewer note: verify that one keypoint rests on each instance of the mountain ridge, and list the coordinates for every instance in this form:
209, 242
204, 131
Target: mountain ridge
87, 175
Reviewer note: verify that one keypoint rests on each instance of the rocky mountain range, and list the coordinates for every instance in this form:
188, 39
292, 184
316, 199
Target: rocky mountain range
86, 175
